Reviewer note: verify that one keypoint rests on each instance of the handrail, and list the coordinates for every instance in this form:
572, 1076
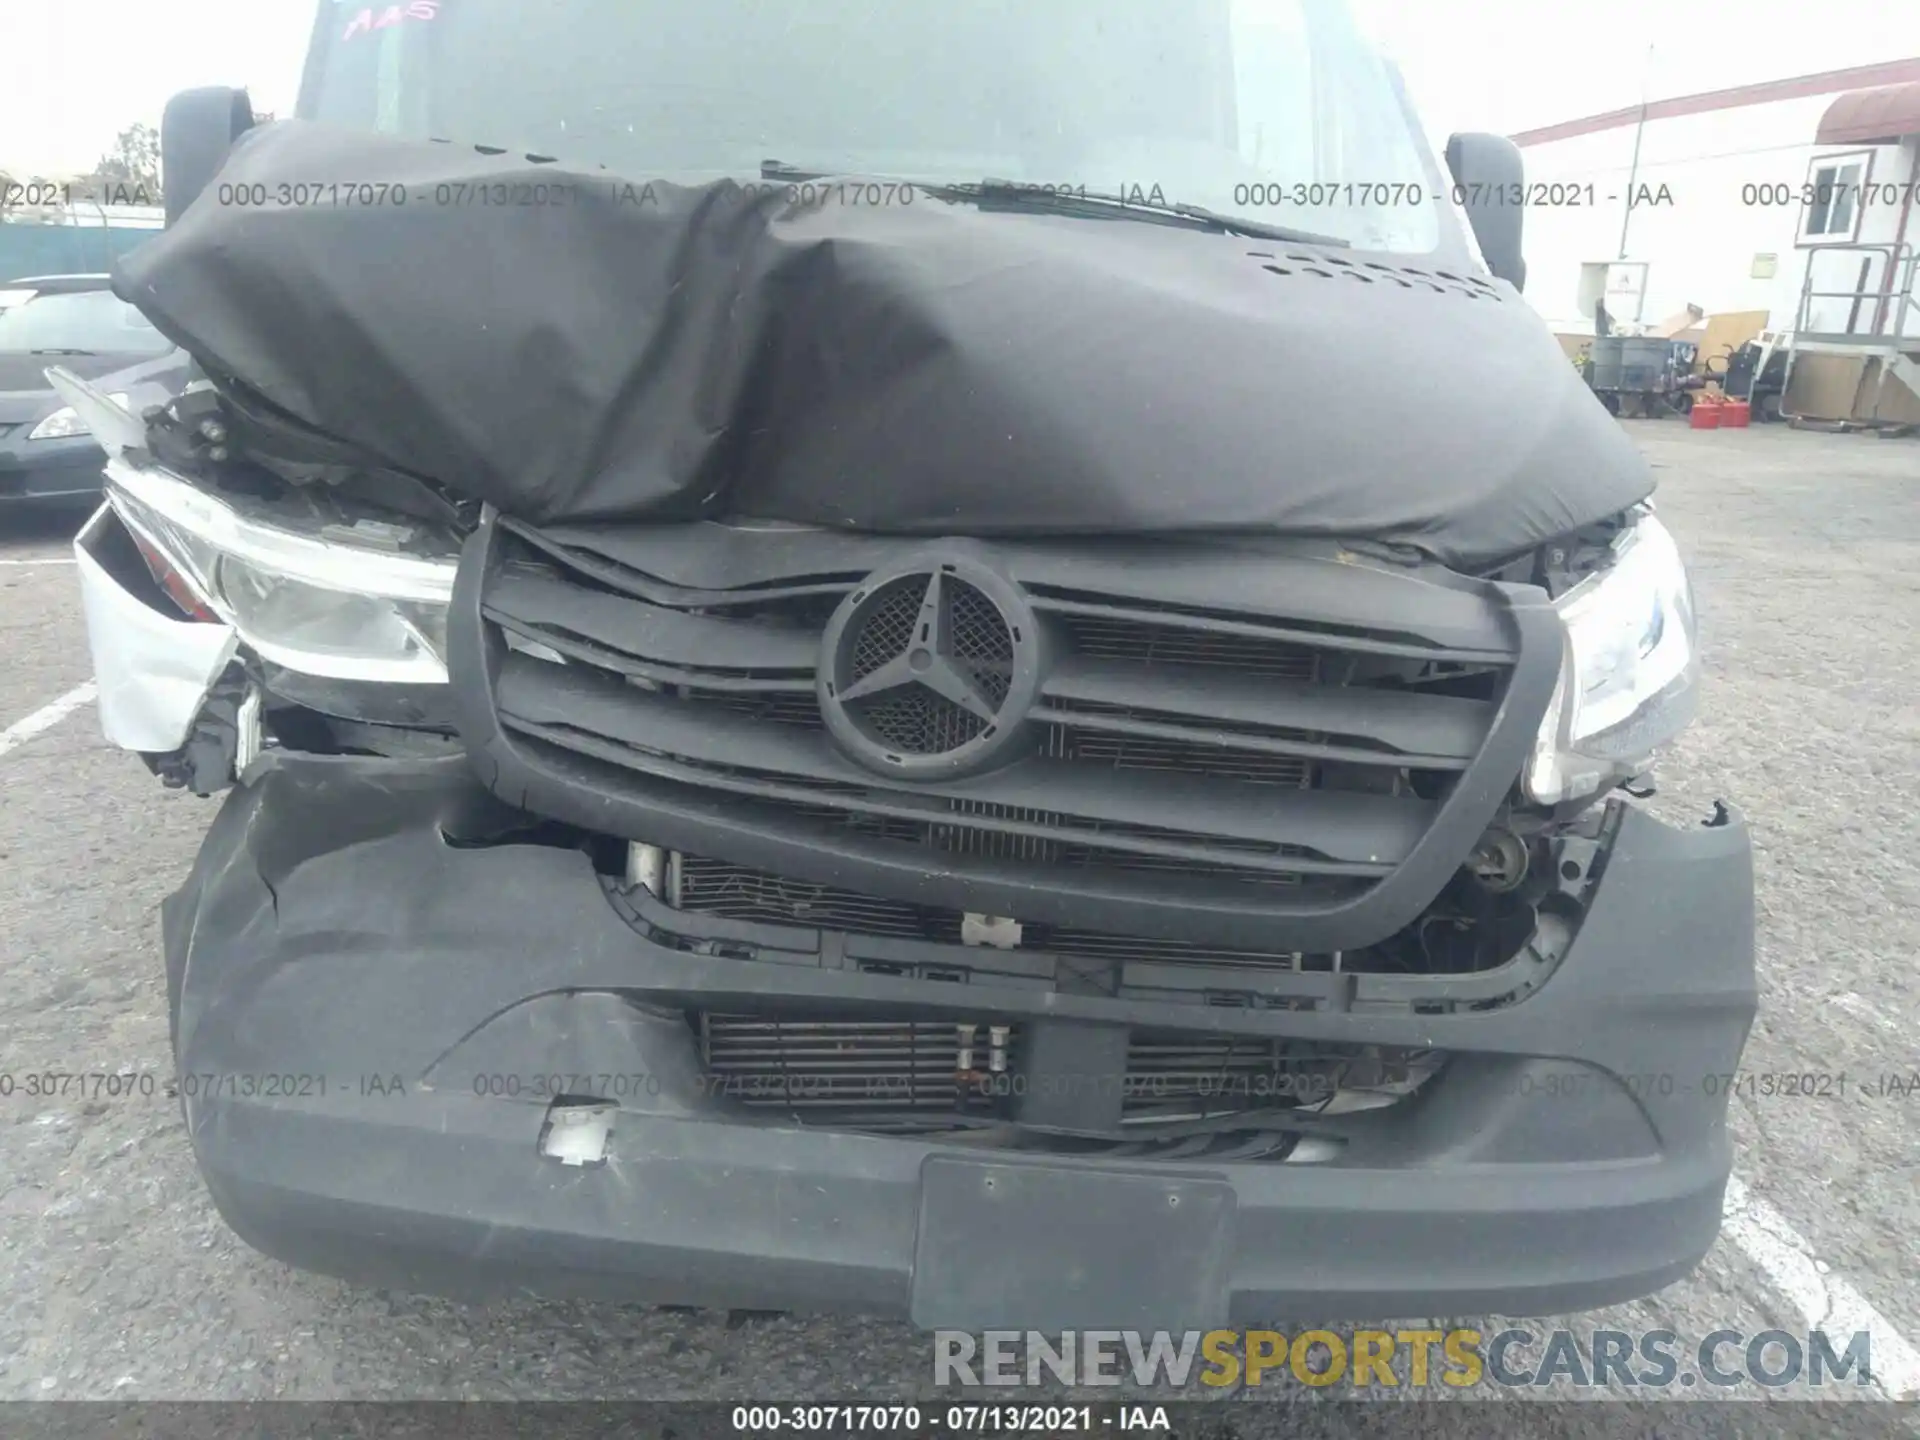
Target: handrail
1891, 297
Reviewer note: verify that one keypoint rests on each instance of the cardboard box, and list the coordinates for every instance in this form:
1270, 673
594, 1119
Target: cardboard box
1726, 333
1671, 327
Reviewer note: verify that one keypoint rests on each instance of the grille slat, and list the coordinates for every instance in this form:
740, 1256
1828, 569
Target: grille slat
633, 637
1363, 724
1174, 754
1235, 639
1366, 833
1081, 844
1145, 643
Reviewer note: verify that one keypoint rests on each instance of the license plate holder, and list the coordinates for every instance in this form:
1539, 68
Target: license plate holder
1012, 1245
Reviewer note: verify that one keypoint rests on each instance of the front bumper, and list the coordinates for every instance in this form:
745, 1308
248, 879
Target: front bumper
155, 668
351, 984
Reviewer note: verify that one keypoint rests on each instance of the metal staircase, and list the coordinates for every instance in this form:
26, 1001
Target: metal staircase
1877, 320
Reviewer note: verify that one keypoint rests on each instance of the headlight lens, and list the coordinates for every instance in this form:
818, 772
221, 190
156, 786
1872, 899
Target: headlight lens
320, 606
331, 632
1629, 677
65, 423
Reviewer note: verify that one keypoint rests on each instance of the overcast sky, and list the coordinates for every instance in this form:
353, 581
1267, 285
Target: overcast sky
79, 71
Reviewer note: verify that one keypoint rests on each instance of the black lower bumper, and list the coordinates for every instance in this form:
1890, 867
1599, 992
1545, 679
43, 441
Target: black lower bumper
354, 990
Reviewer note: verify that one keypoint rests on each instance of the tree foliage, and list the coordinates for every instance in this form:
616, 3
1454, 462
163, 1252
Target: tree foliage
129, 173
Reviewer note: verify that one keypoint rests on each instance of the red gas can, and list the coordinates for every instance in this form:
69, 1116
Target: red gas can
1705, 415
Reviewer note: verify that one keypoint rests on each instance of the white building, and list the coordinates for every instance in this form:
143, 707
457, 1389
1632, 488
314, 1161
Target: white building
1796, 197
1720, 178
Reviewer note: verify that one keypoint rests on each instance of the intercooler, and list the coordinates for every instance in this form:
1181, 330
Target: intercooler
902, 1069
702, 885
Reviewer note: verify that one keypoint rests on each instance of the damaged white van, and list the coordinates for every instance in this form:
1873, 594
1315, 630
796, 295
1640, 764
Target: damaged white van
1007, 688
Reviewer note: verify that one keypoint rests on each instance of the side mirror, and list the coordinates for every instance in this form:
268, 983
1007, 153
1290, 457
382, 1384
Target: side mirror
196, 131
1492, 179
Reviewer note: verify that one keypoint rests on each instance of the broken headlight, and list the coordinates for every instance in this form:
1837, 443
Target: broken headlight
361, 601
1629, 673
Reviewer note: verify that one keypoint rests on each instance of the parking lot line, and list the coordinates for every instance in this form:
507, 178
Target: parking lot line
1826, 1300
46, 717
42, 560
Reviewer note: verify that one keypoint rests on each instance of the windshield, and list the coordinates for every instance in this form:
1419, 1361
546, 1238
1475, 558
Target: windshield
97, 321
1271, 110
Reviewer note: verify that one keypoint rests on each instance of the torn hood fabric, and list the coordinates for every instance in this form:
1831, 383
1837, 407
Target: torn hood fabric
578, 347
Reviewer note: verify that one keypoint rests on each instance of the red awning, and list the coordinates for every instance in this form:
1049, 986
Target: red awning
1859, 116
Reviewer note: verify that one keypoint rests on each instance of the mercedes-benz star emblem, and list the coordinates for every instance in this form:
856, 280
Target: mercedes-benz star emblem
930, 669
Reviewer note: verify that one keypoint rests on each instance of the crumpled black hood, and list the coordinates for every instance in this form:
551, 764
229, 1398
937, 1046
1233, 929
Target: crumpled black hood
579, 347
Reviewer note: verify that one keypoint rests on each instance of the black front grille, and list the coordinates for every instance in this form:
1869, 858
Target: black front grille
1210, 725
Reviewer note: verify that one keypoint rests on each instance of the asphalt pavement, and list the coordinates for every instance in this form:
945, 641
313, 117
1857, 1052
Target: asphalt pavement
119, 1281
